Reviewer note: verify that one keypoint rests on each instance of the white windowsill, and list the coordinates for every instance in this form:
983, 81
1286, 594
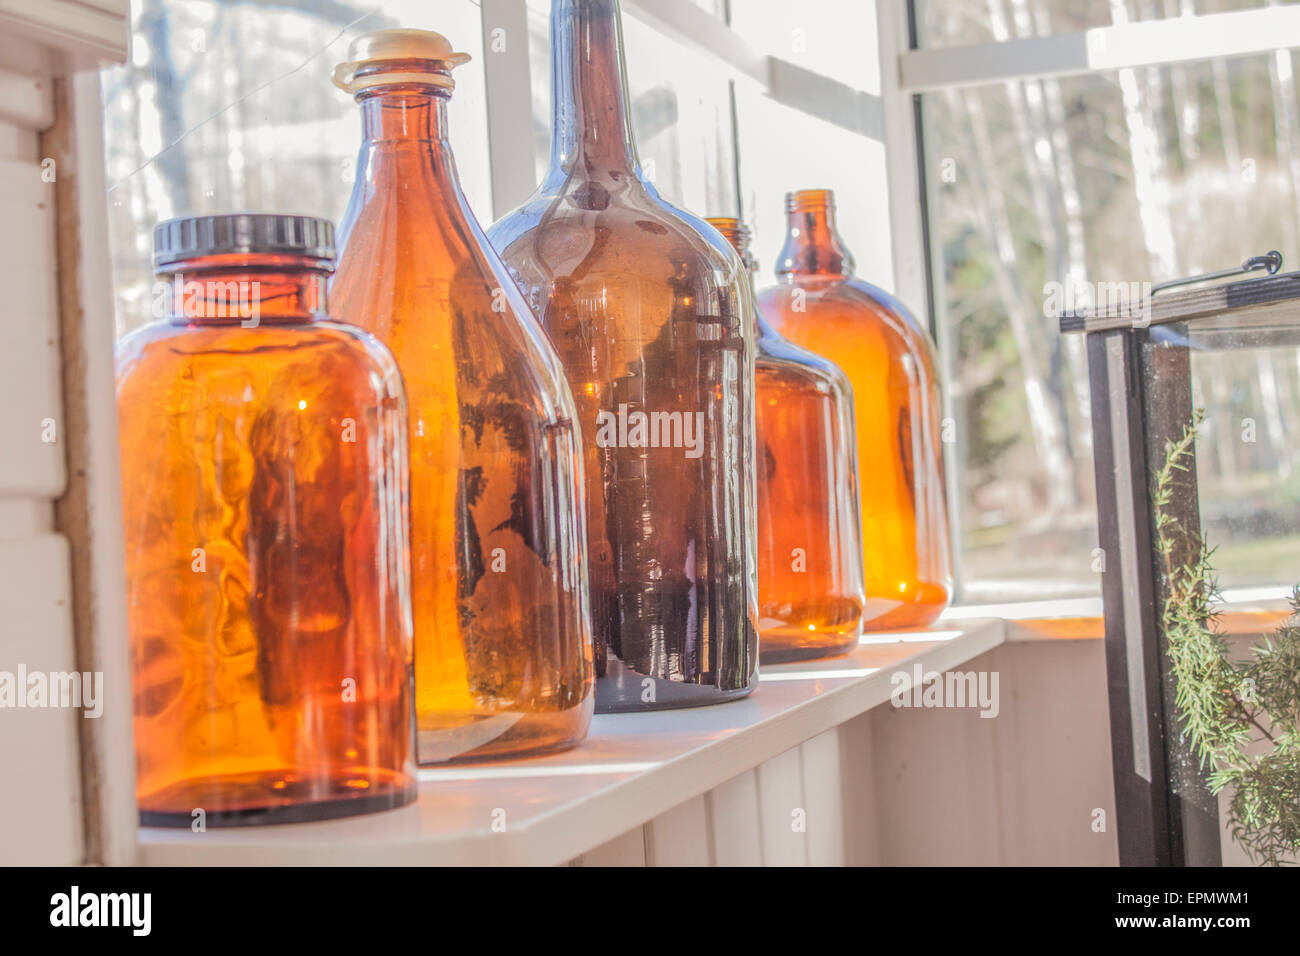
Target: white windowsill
630, 769
634, 767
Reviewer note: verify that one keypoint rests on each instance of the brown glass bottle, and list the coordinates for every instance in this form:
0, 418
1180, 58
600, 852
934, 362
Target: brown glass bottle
502, 628
890, 362
809, 524
263, 487
643, 304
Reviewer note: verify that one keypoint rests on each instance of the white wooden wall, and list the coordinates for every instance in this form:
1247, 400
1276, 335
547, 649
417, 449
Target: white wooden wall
916, 787
46, 267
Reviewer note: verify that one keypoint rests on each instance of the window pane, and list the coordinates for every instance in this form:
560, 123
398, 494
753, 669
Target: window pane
681, 116
1246, 466
230, 107
1117, 179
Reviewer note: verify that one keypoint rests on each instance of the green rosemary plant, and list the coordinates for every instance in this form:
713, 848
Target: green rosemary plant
1243, 719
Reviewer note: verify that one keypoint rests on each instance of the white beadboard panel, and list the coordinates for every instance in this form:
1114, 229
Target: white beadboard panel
680, 837
734, 822
858, 787
953, 788
625, 850
29, 361
89, 513
823, 789
1053, 744
39, 747
937, 785
780, 797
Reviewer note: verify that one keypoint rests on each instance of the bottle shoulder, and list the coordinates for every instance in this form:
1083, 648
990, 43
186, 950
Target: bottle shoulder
848, 304
163, 350
780, 354
589, 229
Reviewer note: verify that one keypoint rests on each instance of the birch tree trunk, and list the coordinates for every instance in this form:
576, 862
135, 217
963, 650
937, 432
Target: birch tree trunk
1026, 329
1150, 185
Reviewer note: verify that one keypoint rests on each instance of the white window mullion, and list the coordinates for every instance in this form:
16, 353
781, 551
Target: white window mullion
1146, 43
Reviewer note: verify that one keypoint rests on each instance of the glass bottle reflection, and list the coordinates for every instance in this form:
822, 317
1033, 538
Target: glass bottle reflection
809, 536
502, 631
890, 362
263, 496
643, 304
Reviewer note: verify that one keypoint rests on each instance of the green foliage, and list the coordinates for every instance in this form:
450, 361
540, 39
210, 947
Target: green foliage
1243, 719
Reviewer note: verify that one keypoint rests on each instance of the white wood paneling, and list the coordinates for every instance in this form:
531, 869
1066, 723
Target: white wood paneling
823, 789
1054, 781
625, 850
782, 809
58, 343
734, 821
857, 784
31, 416
89, 511
41, 797
680, 837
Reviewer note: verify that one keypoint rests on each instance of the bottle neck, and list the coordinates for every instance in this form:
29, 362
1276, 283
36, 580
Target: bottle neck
589, 101
404, 149
738, 235
250, 292
812, 245
405, 113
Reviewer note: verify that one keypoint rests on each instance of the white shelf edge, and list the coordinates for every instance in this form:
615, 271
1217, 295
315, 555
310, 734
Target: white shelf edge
620, 797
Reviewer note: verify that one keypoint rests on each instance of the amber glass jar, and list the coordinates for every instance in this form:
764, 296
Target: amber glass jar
809, 533
643, 304
890, 361
502, 623
263, 487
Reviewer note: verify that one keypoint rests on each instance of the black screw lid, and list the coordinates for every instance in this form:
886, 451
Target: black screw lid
178, 240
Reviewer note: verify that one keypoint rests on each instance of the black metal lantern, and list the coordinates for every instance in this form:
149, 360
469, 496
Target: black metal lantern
1140, 361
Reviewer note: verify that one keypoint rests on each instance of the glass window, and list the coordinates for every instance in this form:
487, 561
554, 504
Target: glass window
681, 117
1044, 192
228, 107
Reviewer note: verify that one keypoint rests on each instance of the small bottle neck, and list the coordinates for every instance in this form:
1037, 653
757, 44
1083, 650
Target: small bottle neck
738, 235
589, 101
250, 291
406, 113
812, 245
404, 150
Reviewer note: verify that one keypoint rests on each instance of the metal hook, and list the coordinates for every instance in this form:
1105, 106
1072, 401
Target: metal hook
1270, 261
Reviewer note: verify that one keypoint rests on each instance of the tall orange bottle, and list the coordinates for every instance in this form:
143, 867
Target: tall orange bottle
263, 500
890, 360
809, 524
502, 625
643, 303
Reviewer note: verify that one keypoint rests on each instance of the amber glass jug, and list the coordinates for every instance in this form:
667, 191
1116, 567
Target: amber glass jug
890, 362
502, 624
643, 304
809, 532
263, 486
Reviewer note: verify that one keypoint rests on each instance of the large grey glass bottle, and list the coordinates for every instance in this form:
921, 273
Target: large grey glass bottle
643, 303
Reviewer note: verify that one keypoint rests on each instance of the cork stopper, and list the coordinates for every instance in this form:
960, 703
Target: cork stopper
385, 57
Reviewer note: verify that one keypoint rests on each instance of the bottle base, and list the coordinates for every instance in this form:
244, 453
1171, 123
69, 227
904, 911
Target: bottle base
450, 739
782, 648
906, 616
267, 800
625, 691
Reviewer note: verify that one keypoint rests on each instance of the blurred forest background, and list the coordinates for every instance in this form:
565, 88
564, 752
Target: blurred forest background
1123, 176
1132, 175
